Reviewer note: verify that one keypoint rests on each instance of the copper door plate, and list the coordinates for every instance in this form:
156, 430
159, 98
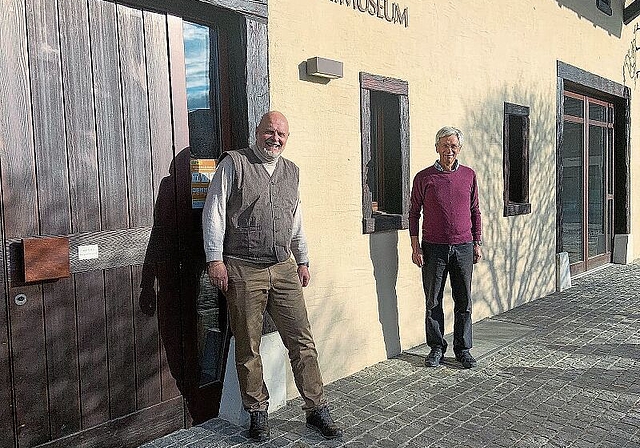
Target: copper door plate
45, 258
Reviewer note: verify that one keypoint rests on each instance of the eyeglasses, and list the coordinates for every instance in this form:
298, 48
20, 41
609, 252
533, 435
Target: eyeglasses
446, 146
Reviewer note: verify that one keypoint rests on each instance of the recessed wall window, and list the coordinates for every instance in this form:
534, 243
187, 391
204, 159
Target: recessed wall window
516, 160
385, 153
604, 6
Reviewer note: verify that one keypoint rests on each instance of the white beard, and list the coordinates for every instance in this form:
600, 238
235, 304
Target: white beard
266, 155
271, 155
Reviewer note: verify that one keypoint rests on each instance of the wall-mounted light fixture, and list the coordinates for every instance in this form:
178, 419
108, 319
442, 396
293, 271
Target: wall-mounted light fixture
325, 68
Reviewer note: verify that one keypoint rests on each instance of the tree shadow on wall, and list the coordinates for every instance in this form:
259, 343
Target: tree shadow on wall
516, 253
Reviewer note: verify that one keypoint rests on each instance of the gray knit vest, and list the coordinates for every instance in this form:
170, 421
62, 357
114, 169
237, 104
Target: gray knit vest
260, 209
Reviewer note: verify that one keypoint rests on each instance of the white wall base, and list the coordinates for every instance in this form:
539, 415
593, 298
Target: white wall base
622, 248
563, 274
274, 365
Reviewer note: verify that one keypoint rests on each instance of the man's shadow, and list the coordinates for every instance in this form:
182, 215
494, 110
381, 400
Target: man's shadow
175, 285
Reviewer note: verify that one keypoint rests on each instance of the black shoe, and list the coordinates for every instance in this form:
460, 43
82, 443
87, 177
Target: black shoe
320, 420
466, 359
434, 358
259, 429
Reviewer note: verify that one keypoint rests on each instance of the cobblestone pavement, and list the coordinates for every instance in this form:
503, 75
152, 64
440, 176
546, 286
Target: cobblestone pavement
571, 380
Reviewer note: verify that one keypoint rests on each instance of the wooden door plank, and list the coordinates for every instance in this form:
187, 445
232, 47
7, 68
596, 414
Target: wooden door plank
92, 348
148, 384
159, 97
157, 58
120, 342
29, 368
79, 114
140, 184
129, 431
6, 408
169, 321
60, 311
6, 386
108, 113
18, 168
136, 115
21, 219
6, 411
62, 357
54, 212
164, 222
48, 117
113, 210
254, 8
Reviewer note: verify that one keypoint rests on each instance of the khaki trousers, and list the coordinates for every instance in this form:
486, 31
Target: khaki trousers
277, 289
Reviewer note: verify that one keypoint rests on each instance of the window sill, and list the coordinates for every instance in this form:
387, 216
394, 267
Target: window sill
380, 222
513, 209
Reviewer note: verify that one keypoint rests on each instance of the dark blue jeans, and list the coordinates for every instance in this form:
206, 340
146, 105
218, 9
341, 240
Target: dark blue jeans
456, 261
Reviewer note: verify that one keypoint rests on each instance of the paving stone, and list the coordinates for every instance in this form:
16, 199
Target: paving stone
569, 380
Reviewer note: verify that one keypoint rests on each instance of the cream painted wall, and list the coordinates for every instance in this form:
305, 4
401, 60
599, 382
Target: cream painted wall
630, 40
462, 59
631, 76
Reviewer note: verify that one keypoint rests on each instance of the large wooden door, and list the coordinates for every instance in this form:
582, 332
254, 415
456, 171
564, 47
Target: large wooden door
95, 150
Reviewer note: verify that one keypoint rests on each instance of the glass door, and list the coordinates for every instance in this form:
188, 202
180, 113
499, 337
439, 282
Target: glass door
587, 181
207, 53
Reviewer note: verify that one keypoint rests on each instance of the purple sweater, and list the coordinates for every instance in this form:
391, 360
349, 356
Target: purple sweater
449, 204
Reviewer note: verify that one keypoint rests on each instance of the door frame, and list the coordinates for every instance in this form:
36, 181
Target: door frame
588, 262
578, 80
247, 107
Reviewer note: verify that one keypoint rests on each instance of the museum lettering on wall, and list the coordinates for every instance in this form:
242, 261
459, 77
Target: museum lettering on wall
382, 9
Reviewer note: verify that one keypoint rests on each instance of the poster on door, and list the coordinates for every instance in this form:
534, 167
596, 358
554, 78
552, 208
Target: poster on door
201, 173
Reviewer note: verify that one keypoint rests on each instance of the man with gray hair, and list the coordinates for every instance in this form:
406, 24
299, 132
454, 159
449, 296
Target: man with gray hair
446, 195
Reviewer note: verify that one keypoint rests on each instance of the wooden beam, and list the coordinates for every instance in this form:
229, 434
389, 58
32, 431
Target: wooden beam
631, 12
196, 9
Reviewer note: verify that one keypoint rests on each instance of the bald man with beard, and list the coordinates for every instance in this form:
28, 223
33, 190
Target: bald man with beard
257, 256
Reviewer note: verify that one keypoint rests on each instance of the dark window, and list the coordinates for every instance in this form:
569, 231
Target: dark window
385, 153
604, 6
516, 160
385, 170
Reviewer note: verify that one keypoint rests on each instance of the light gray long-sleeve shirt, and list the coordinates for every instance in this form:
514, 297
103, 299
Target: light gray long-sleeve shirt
215, 211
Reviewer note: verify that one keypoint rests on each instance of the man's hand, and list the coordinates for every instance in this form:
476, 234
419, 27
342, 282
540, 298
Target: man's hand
218, 275
477, 253
416, 257
303, 275
416, 252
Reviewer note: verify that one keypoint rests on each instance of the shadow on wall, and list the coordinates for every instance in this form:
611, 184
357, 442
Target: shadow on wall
588, 10
170, 285
517, 255
383, 249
